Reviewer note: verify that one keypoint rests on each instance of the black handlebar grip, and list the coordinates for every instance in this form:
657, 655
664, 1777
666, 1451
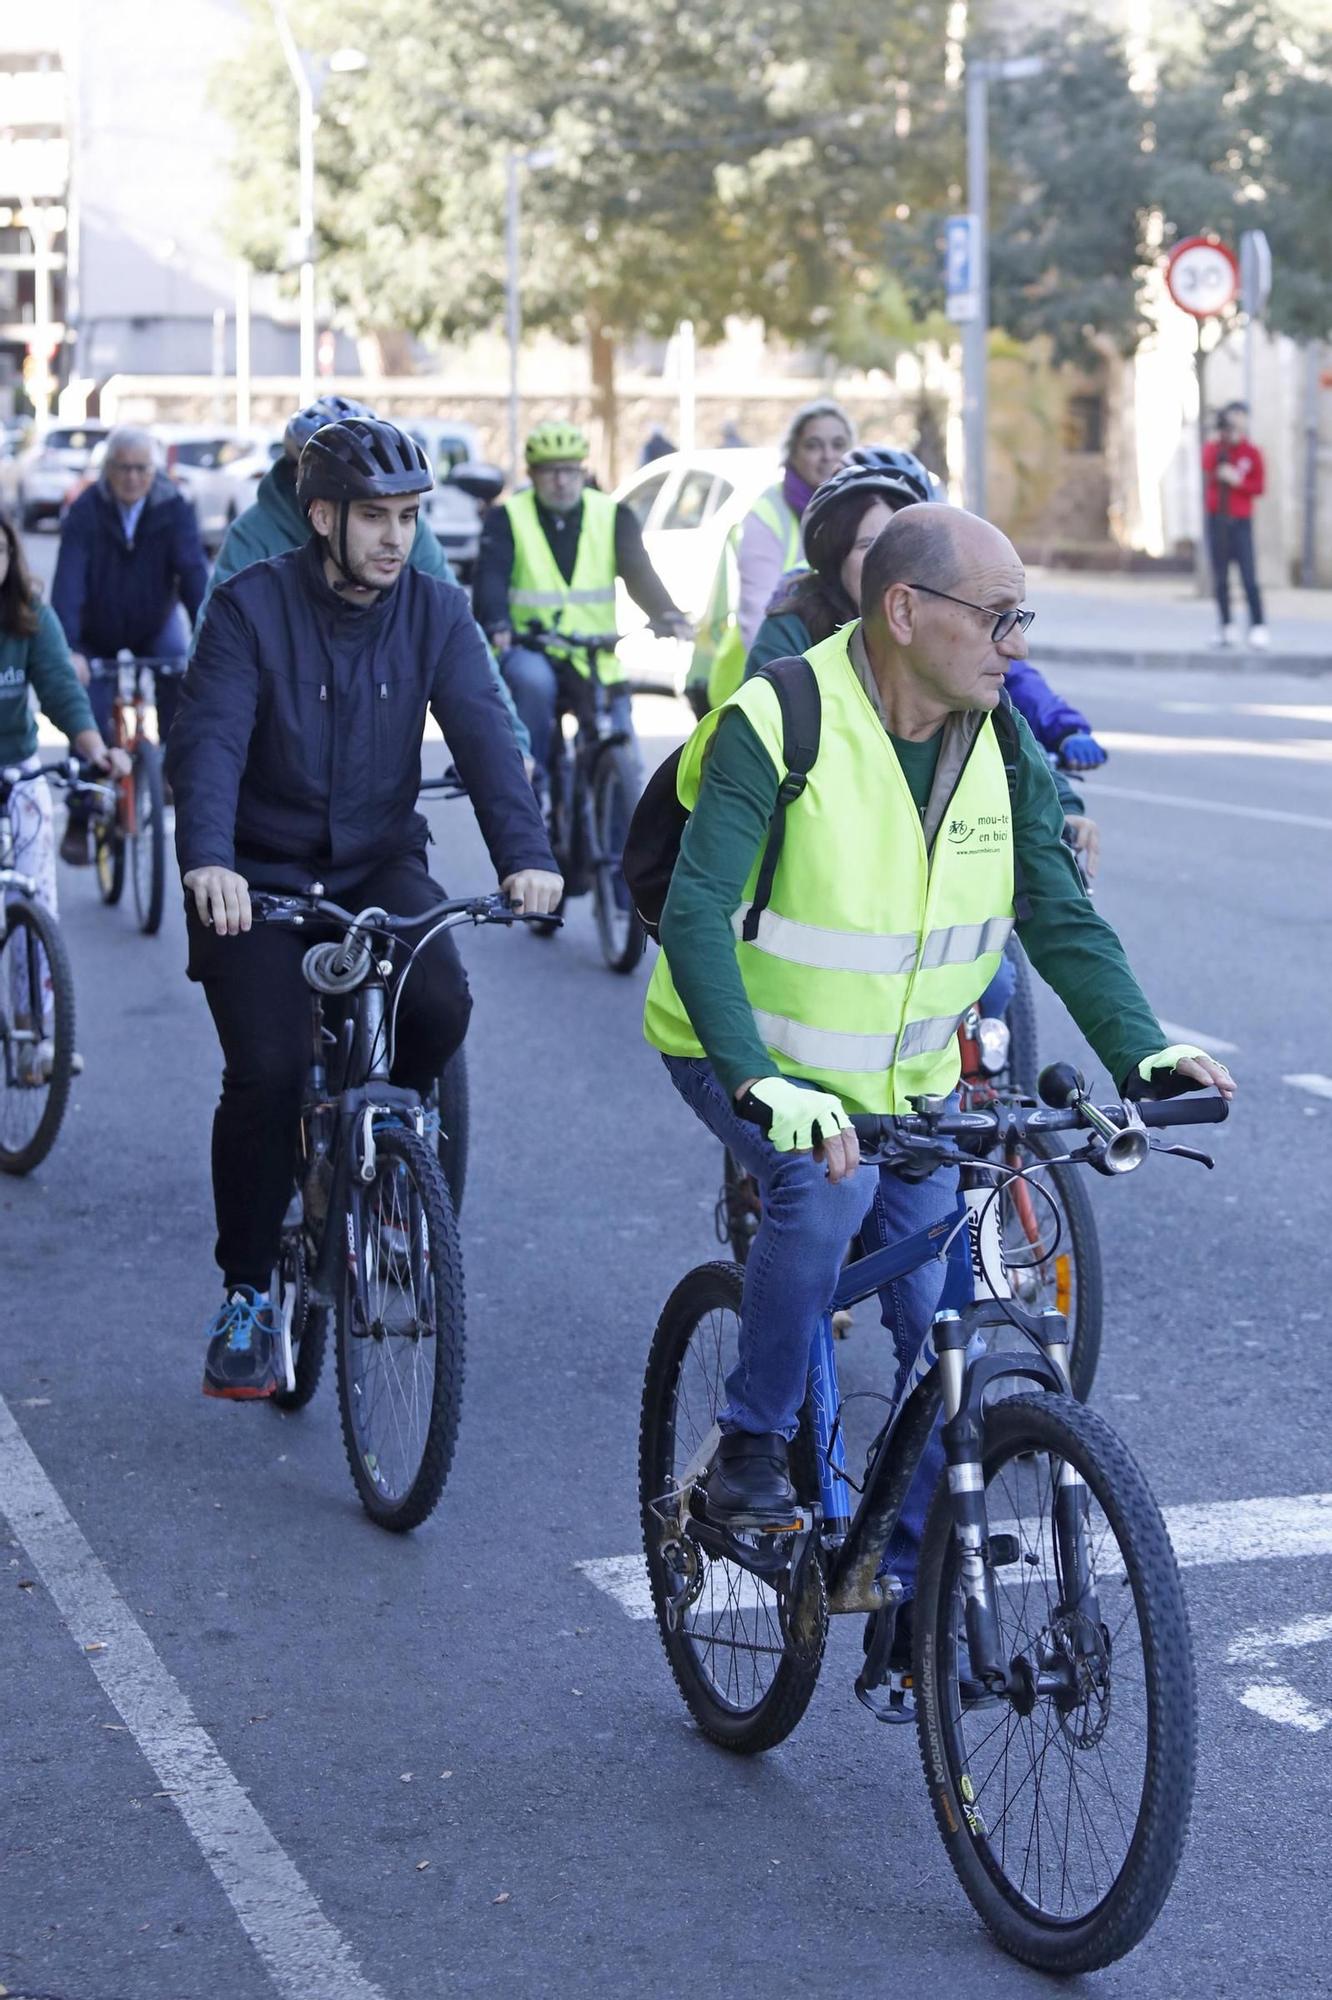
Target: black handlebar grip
1184, 1111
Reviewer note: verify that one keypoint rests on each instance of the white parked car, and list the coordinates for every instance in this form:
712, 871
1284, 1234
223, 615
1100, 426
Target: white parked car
197, 458
242, 474
686, 504
453, 516
36, 481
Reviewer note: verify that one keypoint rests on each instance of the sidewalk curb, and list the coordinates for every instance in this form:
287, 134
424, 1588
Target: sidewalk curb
1212, 660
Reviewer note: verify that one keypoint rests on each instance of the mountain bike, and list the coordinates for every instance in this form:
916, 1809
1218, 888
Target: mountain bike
129, 835
36, 991
593, 781
1043, 1226
370, 1234
1051, 1673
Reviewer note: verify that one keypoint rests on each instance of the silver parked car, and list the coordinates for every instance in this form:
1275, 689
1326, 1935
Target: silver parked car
37, 481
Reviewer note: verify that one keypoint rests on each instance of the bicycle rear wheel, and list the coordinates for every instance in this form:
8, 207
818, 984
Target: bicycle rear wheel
1023, 1065
109, 860
1052, 1253
147, 843
36, 1035
1064, 1807
400, 1333
745, 1678
739, 1210
615, 790
304, 1324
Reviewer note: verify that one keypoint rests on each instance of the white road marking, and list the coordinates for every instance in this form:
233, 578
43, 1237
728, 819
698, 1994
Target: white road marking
1307, 750
1277, 711
1321, 1086
301, 1950
1270, 813
1206, 1535
1277, 1700
1215, 1045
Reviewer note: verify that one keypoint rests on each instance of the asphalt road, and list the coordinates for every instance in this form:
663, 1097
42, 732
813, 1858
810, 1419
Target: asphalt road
467, 1698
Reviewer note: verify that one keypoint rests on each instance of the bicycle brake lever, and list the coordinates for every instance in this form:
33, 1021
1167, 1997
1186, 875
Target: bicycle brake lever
1186, 1153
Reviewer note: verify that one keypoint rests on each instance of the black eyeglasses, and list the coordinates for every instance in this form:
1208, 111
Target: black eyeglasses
1004, 621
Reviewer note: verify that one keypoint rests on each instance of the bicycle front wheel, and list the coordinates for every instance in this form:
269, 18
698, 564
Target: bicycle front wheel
36, 1035
1064, 1803
615, 790
400, 1333
147, 843
745, 1676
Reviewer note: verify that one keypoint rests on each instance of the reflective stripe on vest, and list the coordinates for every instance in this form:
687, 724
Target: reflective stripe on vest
870, 950
536, 585
856, 951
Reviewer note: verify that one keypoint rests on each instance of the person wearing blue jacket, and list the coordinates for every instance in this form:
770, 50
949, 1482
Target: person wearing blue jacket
275, 524
296, 757
131, 572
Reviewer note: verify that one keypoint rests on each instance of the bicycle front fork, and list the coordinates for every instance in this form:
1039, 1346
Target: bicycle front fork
962, 1436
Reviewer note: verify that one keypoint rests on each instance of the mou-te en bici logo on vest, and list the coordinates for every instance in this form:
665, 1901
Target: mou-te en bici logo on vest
978, 836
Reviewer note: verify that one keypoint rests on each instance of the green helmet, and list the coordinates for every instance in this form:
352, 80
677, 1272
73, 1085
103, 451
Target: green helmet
556, 443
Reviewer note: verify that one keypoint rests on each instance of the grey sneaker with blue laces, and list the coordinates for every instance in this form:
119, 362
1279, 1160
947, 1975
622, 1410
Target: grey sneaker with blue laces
242, 1362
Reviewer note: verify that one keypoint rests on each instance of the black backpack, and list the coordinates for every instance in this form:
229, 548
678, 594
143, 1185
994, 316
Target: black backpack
658, 823
656, 829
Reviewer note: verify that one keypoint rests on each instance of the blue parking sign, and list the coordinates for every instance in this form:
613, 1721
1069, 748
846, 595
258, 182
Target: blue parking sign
960, 302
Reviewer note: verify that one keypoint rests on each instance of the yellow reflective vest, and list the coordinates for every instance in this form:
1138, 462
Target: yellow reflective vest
870, 950
539, 595
719, 649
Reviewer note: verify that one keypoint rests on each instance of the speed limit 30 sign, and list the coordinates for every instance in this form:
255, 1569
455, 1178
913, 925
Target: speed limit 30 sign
1202, 276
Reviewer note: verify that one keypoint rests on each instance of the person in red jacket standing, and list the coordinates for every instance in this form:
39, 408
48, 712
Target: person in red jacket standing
1233, 479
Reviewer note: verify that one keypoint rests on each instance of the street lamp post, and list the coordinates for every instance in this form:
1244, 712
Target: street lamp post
975, 339
309, 76
515, 160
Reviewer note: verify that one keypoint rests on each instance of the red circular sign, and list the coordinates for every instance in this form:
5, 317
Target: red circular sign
1203, 275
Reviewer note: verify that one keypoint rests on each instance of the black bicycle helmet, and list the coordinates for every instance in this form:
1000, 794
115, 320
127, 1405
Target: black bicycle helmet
360, 458
867, 471
324, 410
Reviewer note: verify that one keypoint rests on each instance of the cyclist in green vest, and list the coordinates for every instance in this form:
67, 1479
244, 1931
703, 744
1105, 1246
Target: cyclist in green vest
760, 550
550, 557
891, 903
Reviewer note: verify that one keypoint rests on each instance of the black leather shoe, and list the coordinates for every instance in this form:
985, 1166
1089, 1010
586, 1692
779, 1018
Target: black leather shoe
749, 1484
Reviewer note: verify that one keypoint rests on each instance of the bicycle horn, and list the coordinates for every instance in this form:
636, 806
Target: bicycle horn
1117, 1149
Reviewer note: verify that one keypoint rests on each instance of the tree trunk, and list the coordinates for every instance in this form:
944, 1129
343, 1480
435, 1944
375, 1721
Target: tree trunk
605, 413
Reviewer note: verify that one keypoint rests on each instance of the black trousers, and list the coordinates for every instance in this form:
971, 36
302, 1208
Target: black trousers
261, 1009
1228, 542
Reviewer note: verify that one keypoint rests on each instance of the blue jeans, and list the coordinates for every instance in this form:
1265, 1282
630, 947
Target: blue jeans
994, 1000
1230, 541
535, 687
794, 1261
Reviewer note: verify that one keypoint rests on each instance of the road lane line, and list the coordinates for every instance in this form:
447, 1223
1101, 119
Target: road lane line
1270, 813
1214, 1044
302, 1951
1321, 1086
1207, 1535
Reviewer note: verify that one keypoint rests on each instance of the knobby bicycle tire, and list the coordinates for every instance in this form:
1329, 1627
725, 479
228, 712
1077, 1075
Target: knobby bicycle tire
455, 1124
766, 1721
1023, 1064
1016, 1430
32, 920
442, 1257
309, 1322
617, 770
1080, 1241
148, 842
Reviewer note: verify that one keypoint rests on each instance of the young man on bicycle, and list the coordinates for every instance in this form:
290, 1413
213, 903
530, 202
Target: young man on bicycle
550, 556
296, 757
891, 902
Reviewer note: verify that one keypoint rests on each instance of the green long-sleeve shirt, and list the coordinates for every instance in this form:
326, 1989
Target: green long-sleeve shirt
41, 663
1071, 945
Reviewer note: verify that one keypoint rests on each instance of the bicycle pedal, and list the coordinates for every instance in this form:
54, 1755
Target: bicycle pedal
894, 1703
747, 1524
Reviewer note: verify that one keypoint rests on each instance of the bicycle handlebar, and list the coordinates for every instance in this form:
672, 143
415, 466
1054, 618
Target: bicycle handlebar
71, 772
926, 1140
310, 906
